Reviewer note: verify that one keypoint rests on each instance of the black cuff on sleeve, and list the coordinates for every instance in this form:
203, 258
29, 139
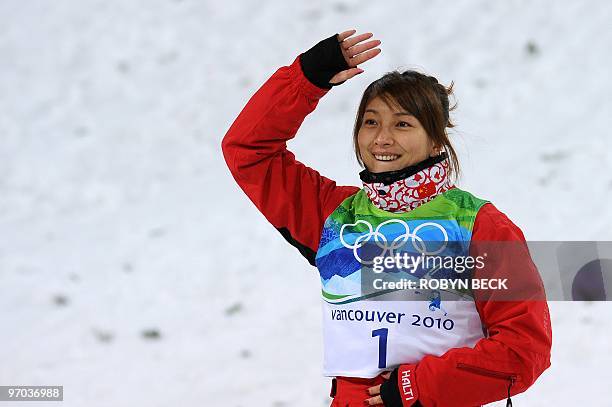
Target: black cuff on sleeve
321, 62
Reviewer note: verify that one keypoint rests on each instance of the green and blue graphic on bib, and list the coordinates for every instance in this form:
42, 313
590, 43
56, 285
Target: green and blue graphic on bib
358, 236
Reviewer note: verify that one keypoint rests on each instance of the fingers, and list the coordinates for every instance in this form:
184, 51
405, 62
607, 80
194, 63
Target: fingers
354, 50
349, 42
374, 390
344, 75
361, 58
343, 35
373, 401
358, 49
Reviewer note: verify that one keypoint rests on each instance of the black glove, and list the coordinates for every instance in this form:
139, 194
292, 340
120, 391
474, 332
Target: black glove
390, 394
321, 62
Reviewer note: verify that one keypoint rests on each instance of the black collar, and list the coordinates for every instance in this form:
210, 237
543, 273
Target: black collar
389, 177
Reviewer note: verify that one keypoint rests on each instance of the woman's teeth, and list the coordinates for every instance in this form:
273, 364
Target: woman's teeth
386, 157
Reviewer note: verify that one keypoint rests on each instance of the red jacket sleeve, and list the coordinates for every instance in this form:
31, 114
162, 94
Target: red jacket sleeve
516, 348
294, 198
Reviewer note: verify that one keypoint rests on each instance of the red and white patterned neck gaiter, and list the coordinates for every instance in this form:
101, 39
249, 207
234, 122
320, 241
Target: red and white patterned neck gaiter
406, 194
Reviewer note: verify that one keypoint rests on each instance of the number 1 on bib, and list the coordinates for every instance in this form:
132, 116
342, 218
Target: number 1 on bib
382, 346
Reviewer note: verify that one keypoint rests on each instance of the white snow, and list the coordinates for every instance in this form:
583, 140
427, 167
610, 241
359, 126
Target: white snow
115, 200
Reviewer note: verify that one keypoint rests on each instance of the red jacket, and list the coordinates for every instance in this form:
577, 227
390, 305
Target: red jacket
297, 199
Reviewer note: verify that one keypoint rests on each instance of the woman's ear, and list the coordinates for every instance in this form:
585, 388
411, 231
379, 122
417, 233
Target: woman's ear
435, 150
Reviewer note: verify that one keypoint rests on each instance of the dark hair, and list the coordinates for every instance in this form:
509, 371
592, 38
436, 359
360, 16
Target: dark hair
420, 95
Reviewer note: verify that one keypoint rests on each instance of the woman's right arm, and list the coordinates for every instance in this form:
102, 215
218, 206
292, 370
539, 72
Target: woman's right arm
294, 198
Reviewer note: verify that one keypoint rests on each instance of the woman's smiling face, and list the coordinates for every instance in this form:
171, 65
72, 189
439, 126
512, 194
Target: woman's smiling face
391, 139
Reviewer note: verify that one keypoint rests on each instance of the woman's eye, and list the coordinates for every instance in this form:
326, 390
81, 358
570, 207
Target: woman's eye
404, 123
369, 121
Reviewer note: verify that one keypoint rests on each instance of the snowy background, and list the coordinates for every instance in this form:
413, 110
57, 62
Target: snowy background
133, 271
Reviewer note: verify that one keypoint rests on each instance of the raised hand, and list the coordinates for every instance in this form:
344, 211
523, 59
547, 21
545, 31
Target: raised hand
333, 60
355, 52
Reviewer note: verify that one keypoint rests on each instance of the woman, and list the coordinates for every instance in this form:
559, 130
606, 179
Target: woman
386, 352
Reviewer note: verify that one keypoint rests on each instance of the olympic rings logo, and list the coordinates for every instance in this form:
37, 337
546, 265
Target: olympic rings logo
390, 247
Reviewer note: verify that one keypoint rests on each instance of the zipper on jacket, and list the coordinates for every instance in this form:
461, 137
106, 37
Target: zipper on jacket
491, 373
